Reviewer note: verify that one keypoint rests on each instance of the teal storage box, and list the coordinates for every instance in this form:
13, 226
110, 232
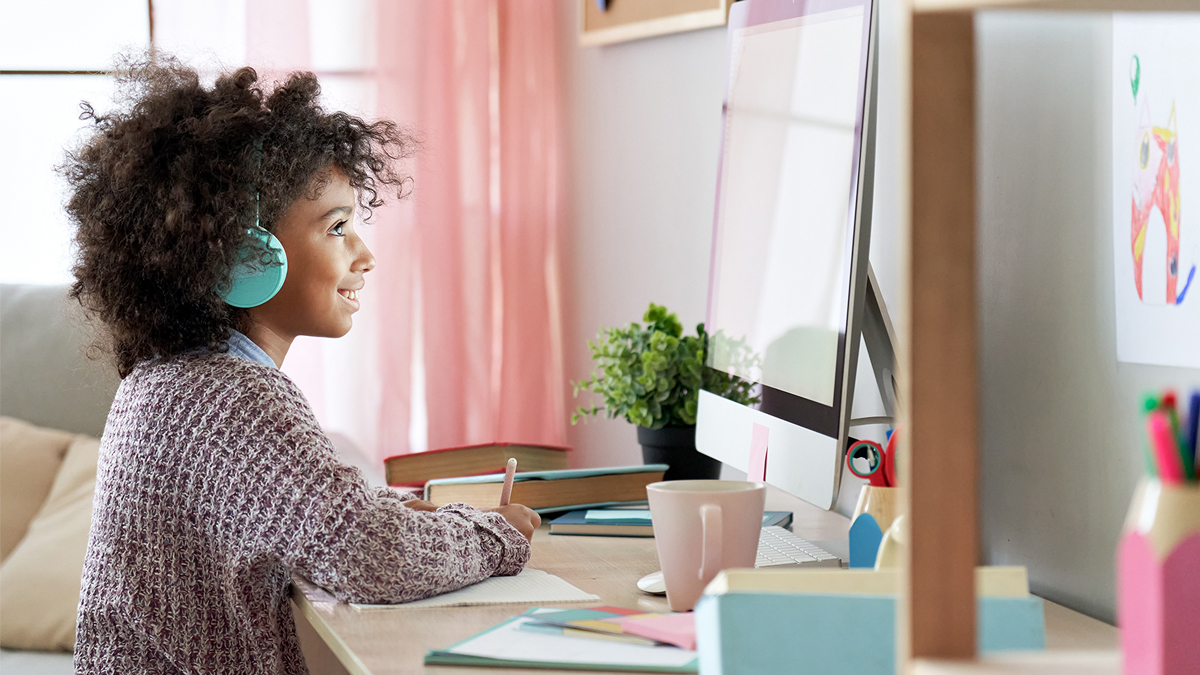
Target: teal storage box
765, 633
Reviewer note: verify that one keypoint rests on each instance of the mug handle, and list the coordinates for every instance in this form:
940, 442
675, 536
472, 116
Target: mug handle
710, 543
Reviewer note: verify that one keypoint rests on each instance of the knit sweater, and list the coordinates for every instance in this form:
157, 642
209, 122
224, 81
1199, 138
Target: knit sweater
215, 485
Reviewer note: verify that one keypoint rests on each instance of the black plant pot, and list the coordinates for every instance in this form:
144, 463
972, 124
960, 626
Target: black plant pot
676, 447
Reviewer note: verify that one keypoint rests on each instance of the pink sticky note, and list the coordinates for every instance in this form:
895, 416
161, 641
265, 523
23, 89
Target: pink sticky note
677, 629
758, 454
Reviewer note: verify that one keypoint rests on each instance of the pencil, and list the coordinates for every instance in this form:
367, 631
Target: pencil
1193, 432
1166, 448
1168, 406
1149, 405
509, 472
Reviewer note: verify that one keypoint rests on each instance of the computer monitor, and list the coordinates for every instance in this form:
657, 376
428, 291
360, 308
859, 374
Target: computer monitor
791, 233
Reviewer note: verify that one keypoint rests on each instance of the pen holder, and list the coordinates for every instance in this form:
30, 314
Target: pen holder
1158, 580
876, 510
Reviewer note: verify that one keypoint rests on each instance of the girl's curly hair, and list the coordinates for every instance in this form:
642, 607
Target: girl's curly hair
164, 187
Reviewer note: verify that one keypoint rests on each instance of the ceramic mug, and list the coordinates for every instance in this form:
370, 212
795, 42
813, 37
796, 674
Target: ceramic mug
702, 527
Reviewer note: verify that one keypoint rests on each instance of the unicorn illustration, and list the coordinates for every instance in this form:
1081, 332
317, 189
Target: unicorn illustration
1156, 184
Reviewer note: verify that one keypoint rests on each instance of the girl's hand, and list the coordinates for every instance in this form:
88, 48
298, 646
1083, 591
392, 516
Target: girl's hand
420, 505
525, 519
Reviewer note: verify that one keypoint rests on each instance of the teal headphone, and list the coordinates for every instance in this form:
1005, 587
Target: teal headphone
262, 268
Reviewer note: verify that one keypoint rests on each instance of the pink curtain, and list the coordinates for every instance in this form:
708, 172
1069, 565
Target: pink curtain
463, 310
480, 81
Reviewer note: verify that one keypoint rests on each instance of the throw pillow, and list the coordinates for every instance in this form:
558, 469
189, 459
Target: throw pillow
42, 577
29, 459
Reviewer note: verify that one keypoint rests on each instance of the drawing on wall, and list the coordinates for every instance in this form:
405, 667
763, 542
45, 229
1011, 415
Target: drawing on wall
1156, 186
1156, 105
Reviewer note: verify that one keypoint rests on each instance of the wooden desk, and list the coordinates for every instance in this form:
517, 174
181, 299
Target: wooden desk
395, 641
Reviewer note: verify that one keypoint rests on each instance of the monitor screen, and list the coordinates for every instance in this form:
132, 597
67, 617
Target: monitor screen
783, 239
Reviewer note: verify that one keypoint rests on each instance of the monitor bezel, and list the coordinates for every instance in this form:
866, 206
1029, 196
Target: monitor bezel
828, 420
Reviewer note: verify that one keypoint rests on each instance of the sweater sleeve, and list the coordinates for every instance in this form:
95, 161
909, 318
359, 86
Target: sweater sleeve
394, 493
323, 520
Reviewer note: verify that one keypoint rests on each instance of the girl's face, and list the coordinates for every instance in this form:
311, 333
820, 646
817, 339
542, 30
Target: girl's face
326, 263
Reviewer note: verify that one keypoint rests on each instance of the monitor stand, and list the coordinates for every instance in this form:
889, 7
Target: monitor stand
880, 339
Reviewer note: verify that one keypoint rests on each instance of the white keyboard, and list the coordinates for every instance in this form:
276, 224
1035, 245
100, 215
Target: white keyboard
779, 547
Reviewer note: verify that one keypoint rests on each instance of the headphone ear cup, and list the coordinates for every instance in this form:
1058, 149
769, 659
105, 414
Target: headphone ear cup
252, 283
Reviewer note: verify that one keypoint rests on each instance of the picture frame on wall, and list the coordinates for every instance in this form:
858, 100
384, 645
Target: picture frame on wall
604, 22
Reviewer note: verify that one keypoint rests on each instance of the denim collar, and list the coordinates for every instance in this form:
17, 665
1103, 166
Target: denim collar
243, 347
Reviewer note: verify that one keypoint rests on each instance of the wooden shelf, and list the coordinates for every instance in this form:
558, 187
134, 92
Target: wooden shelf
1075, 5
939, 353
1041, 663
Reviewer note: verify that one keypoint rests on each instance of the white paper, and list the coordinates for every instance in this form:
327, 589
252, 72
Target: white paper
510, 643
1156, 104
529, 587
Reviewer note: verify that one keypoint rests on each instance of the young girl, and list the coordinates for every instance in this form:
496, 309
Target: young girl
216, 483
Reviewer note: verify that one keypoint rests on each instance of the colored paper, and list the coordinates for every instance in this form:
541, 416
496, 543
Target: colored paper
592, 613
678, 629
600, 623
509, 645
582, 633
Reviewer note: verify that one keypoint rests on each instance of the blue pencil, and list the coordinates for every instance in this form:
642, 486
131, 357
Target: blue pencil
1193, 427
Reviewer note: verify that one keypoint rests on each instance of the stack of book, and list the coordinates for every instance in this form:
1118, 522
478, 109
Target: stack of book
549, 491
415, 469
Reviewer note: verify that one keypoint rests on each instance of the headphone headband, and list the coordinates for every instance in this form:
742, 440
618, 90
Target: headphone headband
253, 282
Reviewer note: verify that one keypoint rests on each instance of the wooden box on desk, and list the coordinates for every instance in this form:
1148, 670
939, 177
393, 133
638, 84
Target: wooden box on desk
742, 629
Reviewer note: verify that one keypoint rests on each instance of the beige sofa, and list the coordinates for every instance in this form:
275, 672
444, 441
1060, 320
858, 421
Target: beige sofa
54, 401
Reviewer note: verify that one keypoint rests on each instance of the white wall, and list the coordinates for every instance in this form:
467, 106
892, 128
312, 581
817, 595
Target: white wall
644, 123
1059, 414
1061, 445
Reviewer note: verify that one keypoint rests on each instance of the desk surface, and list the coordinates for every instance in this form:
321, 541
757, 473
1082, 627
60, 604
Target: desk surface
396, 640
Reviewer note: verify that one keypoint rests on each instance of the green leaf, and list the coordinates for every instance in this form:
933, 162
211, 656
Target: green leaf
651, 375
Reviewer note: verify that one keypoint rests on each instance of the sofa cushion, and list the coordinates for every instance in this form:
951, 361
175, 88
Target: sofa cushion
41, 578
45, 377
35, 663
29, 459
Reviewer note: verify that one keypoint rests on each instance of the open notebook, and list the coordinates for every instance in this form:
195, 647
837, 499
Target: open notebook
529, 587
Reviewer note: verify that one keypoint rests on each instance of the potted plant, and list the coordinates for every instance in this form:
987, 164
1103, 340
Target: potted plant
651, 375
